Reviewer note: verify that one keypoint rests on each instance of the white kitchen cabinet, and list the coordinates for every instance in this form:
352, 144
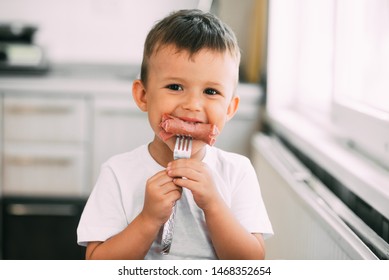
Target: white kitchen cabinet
119, 126
45, 145
37, 118
42, 169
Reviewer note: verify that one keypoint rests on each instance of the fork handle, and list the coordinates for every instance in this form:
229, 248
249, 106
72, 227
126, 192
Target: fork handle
167, 234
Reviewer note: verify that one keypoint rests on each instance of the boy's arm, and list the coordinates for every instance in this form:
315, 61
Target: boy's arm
229, 238
132, 243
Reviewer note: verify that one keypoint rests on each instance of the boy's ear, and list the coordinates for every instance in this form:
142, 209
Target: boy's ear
233, 107
139, 94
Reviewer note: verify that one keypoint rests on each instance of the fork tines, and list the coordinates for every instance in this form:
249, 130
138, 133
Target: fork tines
183, 147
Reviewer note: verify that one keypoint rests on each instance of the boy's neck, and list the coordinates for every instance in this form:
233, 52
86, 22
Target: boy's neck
160, 153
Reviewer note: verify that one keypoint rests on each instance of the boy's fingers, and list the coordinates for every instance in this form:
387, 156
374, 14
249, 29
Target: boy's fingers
170, 187
160, 178
188, 163
173, 196
184, 183
185, 172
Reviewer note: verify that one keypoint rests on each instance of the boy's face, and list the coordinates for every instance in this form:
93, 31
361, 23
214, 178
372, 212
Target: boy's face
196, 89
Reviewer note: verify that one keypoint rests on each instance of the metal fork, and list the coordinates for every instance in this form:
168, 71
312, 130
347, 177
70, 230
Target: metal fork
182, 149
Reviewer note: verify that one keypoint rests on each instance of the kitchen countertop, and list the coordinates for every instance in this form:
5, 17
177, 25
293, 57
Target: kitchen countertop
73, 79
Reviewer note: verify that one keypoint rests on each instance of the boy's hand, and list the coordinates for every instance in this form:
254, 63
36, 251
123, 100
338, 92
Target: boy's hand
161, 193
198, 179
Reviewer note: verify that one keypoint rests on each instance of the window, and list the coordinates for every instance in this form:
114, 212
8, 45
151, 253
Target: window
300, 55
330, 60
361, 75
328, 88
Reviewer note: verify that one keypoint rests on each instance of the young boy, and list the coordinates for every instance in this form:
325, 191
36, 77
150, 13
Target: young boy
189, 71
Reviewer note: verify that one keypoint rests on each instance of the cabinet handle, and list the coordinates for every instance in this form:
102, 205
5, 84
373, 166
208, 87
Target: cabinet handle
29, 110
24, 161
65, 210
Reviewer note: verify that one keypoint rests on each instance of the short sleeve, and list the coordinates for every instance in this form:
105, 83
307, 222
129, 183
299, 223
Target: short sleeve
247, 203
103, 215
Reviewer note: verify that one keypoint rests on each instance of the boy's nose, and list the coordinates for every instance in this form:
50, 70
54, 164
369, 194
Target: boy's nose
192, 102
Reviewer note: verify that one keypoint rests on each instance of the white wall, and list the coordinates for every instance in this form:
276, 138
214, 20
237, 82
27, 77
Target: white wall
102, 31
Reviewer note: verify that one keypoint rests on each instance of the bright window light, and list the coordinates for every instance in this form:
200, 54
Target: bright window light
329, 60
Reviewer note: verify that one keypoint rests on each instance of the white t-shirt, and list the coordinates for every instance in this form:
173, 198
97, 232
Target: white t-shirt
118, 197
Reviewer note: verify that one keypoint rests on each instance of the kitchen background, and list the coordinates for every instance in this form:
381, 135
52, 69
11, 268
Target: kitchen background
66, 73
66, 69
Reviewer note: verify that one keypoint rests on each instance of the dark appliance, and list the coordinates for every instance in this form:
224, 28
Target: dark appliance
18, 53
41, 228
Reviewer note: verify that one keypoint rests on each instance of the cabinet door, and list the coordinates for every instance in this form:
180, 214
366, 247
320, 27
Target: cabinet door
120, 126
44, 145
44, 119
42, 169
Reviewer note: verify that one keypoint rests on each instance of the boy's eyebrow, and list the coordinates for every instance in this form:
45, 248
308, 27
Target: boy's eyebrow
215, 84
168, 77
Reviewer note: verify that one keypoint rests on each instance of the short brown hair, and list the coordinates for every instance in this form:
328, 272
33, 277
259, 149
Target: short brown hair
189, 30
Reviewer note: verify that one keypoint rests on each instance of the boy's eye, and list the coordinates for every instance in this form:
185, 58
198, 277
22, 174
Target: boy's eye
210, 91
174, 87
